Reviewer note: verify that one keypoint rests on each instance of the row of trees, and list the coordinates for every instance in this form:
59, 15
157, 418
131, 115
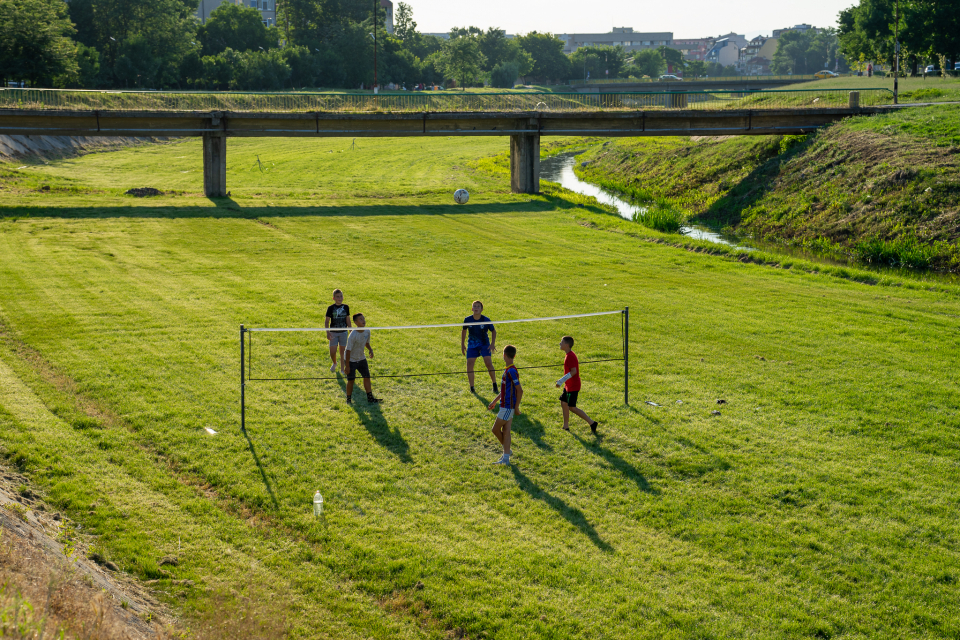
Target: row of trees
800, 52
317, 43
929, 30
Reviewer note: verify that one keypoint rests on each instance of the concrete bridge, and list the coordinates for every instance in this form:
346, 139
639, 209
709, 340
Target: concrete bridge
525, 128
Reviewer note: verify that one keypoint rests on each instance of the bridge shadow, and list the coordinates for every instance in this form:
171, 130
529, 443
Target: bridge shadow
372, 419
263, 473
229, 208
618, 463
571, 514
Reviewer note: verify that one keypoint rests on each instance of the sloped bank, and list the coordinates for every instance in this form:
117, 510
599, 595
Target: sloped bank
881, 189
57, 146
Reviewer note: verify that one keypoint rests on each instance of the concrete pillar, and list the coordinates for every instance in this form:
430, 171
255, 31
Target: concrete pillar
214, 164
525, 163
854, 99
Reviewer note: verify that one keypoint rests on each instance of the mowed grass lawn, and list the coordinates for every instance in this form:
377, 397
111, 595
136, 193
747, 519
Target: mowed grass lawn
822, 501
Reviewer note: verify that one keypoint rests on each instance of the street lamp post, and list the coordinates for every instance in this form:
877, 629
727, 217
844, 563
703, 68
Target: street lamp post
376, 17
896, 51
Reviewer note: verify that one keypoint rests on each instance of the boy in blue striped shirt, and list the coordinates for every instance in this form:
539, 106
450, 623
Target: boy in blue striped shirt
509, 399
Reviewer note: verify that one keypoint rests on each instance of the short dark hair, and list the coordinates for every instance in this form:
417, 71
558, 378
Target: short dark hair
568, 340
357, 315
336, 291
479, 303
510, 351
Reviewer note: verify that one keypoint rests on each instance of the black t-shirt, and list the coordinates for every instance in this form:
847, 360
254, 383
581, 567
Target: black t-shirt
338, 314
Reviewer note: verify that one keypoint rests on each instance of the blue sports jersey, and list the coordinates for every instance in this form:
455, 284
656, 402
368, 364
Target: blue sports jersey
510, 377
478, 331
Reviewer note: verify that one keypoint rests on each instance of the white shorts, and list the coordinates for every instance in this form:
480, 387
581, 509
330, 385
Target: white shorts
505, 414
338, 338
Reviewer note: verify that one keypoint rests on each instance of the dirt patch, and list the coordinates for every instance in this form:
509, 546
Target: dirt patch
12, 147
46, 576
144, 192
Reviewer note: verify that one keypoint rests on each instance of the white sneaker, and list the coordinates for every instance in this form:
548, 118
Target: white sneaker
333, 367
504, 460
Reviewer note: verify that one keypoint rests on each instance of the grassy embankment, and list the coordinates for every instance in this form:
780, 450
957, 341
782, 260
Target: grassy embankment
883, 189
821, 503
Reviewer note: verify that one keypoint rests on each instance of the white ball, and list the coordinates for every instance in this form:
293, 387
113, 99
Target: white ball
461, 196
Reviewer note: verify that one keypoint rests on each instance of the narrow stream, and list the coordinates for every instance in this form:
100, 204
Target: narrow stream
559, 168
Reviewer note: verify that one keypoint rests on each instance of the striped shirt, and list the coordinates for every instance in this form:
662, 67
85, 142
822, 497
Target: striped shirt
511, 377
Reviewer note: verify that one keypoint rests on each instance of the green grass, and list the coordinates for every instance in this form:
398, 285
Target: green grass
821, 503
910, 89
877, 190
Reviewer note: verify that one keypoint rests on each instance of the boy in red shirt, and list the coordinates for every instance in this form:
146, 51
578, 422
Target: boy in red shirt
571, 386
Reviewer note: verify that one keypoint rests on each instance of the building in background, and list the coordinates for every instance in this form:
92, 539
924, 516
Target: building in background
724, 52
625, 37
267, 9
693, 48
756, 57
387, 6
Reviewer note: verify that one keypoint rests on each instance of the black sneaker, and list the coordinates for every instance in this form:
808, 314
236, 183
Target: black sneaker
349, 400
593, 427
472, 390
372, 400
495, 390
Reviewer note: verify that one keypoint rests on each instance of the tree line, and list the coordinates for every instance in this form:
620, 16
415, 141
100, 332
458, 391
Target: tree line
160, 44
928, 31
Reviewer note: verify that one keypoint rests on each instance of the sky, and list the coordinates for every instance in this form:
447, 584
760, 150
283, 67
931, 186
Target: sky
686, 19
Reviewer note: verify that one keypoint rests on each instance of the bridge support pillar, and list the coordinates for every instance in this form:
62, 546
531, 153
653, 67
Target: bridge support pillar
214, 165
525, 163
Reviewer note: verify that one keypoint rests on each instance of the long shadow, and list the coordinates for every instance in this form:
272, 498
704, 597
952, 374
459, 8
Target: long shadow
228, 208
571, 514
263, 473
618, 463
373, 421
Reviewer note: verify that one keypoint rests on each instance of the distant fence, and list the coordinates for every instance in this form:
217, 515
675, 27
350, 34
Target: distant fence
700, 79
52, 99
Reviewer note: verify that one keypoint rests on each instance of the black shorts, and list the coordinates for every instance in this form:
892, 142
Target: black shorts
570, 397
362, 367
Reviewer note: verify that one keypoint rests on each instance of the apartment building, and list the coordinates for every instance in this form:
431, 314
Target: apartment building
755, 58
800, 27
693, 48
267, 9
625, 37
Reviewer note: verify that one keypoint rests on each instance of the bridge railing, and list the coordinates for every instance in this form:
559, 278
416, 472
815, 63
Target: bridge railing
301, 102
696, 79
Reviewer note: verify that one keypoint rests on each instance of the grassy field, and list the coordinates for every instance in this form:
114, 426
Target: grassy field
910, 89
881, 189
821, 502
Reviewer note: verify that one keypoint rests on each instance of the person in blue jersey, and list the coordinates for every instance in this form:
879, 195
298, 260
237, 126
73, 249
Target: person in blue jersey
482, 342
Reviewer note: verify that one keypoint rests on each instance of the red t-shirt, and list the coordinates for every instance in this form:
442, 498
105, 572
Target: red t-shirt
569, 362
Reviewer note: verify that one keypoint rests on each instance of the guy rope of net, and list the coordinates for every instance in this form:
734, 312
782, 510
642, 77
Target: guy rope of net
246, 349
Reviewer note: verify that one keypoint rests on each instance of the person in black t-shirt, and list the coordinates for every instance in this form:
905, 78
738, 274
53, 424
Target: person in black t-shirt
476, 343
338, 317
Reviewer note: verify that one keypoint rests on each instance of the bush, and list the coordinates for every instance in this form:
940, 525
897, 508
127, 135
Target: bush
661, 216
902, 252
504, 75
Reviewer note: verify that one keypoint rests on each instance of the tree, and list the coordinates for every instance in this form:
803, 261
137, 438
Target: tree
404, 27
598, 60
504, 75
461, 59
237, 27
549, 61
696, 68
673, 58
36, 45
504, 53
648, 62
801, 52
145, 38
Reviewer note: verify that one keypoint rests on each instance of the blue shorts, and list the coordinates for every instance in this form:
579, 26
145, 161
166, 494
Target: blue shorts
477, 352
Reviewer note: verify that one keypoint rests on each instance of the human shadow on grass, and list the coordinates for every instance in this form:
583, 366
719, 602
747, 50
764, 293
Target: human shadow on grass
571, 514
375, 423
230, 209
263, 473
523, 425
618, 463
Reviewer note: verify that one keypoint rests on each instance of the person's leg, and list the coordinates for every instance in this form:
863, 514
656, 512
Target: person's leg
366, 386
498, 430
566, 415
333, 352
342, 350
493, 376
506, 437
582, 414
470, 362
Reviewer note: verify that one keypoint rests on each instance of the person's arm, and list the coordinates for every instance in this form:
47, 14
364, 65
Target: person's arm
495, 401
463, 345
326, 324
519, 394
493, 339
369, 348
567, 376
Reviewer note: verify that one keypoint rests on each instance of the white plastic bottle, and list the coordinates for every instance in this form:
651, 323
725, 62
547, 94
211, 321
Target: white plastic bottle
317, 503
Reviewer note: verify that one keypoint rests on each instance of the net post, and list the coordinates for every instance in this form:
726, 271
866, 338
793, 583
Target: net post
626, 356
243, 403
